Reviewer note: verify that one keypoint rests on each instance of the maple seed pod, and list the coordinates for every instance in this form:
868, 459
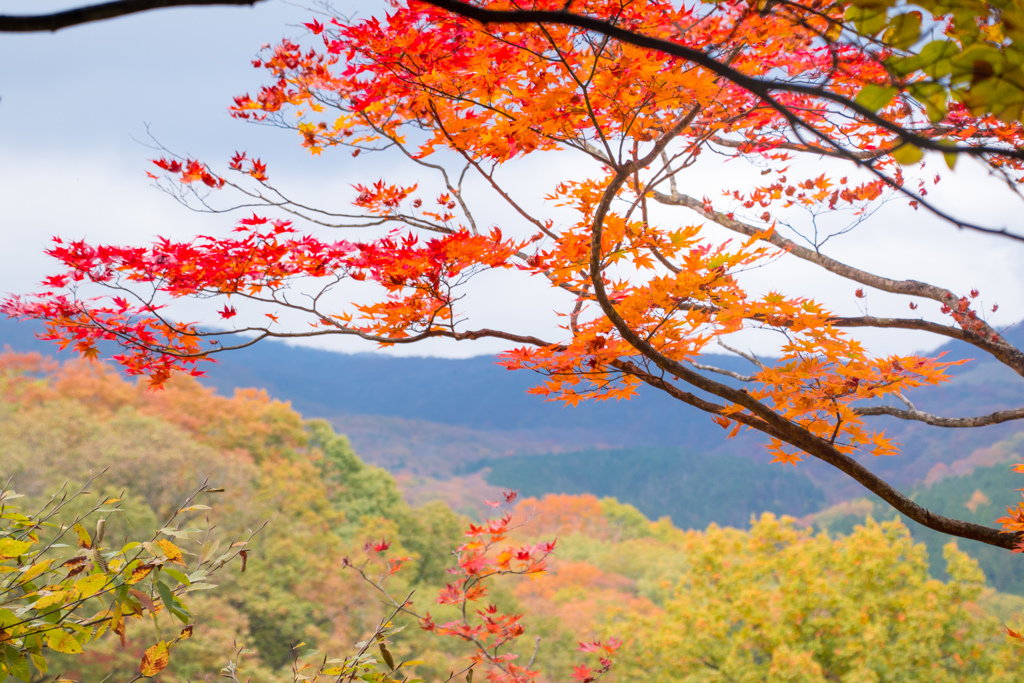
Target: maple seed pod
388, 659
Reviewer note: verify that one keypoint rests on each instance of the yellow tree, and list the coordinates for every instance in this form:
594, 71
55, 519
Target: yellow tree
778, 603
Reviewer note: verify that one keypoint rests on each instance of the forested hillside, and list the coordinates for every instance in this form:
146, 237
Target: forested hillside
692, 489
688, 605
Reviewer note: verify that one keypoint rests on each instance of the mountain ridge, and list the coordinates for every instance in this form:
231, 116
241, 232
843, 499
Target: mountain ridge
434, 415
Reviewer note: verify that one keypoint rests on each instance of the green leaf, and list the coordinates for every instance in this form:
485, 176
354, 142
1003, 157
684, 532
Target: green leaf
176, 575
17, 665
181, 612
933, 96
934, 59
904, 30
200, 587
907, 154
874, 97
867, 20
165, 595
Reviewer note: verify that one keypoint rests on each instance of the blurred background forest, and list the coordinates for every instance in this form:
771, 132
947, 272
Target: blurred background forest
708, 562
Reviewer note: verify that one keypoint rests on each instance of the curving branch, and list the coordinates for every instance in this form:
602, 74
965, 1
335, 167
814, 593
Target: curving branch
937, 421
32, 23
763, 417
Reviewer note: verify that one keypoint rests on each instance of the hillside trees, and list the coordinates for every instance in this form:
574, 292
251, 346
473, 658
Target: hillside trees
59, 424
644, 291
778, 603
334, 524
772, 602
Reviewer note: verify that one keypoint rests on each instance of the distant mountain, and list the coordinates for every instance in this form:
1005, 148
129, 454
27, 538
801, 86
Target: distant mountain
434, 415
485, 407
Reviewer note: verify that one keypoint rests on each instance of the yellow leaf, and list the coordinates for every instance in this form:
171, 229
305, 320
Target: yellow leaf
10, 548
155, 660
139, 573
62, 641
34, 570
90, 585
171, 551
84, 540
994, 33
56, 598
907, 154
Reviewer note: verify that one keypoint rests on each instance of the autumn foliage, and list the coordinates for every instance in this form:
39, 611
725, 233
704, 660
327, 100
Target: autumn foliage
345, 574
465, 104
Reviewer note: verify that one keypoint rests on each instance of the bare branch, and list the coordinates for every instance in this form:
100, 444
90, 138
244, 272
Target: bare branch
722, 371
743, 354
937, 421
30, 23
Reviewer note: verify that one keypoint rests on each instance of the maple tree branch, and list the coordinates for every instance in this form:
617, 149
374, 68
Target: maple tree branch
774, 425
742, 354
763, 88
30, 23
806, 148
997, 417
722, 371
993, 343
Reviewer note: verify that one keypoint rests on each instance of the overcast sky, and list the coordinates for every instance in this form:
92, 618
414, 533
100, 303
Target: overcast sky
74, 110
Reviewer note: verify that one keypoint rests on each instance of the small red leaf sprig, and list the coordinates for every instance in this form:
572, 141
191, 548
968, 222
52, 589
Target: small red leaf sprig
604, 650
484, 556
487, 554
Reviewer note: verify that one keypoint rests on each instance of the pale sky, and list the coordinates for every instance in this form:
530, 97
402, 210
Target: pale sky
74, 109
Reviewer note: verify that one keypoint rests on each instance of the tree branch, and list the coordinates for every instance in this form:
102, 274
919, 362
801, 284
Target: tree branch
30, 23
762, 87
993, 343
774, 425
935, 420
